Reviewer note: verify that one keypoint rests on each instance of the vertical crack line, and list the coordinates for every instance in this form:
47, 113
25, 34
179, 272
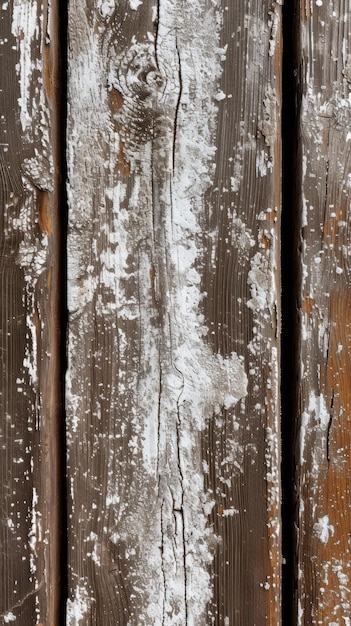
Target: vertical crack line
330, 423
58, 27
291, 283
157, 27
163, 530
179, 460
176, 112
159, 443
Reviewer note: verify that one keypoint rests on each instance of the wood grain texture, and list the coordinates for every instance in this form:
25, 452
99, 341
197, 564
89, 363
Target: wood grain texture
29, 343
173, 292
324, 559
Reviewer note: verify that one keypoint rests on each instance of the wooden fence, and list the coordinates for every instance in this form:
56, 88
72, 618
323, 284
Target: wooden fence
141, 190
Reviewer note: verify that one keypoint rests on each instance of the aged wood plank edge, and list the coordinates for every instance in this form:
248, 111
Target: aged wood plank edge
54, 466
324, 445
37, 28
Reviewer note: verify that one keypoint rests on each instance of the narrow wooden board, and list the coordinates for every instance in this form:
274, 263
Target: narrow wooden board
324, 461
173, 292
29, 331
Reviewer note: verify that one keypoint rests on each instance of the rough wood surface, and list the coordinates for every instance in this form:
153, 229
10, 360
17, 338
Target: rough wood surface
173, 273
324, 558
29, 380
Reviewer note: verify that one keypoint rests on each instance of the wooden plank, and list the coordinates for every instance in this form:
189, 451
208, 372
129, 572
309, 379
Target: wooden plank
29, 339
325, 391
173, 293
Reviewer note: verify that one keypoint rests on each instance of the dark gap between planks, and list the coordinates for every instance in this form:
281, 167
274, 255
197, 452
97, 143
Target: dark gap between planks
290, 278
63, 490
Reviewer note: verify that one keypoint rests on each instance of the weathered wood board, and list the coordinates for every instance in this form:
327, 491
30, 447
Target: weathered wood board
29, 329
173, 292
324, 558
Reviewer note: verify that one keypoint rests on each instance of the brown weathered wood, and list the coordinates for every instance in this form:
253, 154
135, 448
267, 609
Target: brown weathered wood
324, 515
29, 308
173, 291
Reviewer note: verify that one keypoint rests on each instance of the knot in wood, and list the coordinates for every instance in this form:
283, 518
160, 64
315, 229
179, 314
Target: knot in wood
140, 115
136, 75
337, 110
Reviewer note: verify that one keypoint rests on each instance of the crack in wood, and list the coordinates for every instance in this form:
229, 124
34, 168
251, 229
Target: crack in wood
20, 603
177, 105
331, 415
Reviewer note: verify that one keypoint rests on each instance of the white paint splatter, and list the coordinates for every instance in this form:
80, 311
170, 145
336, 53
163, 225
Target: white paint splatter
78, 608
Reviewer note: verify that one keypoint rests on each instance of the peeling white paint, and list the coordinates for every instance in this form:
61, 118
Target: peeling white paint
317, 406
26, 29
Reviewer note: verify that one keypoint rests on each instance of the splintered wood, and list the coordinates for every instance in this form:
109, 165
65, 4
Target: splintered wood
324, 441
173, 295
29, 315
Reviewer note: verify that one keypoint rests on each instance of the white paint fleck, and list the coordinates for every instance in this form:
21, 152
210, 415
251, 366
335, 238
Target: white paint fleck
105, 7
260, 281
135, 4
230, 512
220, 95
304, 219
35, 532
262, 160
318, 407
300, 613
305, 418
322, 529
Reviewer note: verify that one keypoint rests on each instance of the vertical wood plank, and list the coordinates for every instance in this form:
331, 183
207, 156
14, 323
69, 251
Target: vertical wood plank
29, 329
325, 391
173, 293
